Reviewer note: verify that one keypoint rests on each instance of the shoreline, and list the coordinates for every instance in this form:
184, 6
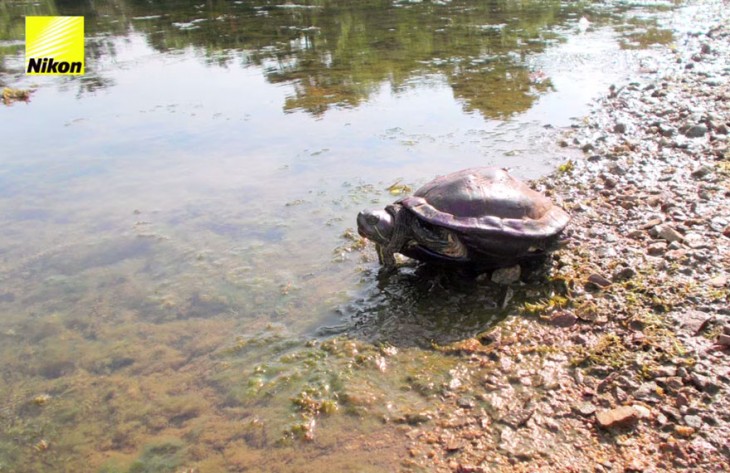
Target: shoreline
620, 362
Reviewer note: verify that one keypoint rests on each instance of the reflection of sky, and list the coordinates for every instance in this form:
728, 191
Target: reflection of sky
170, 128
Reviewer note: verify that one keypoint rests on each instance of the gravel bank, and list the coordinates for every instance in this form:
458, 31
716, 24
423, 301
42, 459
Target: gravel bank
621, 362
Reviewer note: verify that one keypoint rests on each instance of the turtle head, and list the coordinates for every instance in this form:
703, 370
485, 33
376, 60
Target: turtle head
375, 225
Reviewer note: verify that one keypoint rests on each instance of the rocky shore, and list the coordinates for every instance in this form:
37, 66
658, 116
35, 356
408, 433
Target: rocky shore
621, 361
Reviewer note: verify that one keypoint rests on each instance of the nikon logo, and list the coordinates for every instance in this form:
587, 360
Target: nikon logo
54, 45
50, 66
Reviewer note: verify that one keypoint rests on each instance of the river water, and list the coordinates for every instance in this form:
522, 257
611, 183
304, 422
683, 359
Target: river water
183, 288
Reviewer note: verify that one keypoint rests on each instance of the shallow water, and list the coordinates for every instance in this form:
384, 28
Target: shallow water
181, 284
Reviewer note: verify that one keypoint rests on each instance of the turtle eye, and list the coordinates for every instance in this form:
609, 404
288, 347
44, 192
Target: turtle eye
372, 219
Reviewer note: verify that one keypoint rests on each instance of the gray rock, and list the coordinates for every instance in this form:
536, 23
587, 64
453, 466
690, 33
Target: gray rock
518, 418
664, 371
657, 249
674, 382
586, 409
647, 392
668, 233
696, 131
465, 402
599, 280
693, 421
623, 274
693, 321
701, 172
507, 276
704, 383
667, 131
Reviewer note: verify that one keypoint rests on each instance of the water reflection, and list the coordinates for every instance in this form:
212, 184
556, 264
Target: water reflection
338, 53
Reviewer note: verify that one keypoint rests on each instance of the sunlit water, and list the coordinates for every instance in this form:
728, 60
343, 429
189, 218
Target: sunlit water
180, 273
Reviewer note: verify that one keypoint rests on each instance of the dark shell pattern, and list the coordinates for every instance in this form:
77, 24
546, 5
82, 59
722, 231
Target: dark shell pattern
487, 203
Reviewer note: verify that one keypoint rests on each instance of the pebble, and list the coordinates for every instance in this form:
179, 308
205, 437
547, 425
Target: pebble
674, 382
718, 281
465, 402
586, 409
599, 280
704, 383
668, 233
693, 421
623, 274
506, 276
657, 249
701, 172
692, 320
643, 411
563, 319
618, 417
696, 131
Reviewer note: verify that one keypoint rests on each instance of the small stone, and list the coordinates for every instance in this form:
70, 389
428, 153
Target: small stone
657, 249
693, 421
453, 445
693, 321
599, 280
465, 402
718, 281
664, 372
506, 276
644, 412
651, 223
518, 418
467, 468
701, 172
619, 128
563, 319
704, 383
674, 382
696, 131
586, 409
620, 416
647, 392
723, 339
681, 401
726, 231
683, 430
667, 131
623, 274
617, 169
668, 233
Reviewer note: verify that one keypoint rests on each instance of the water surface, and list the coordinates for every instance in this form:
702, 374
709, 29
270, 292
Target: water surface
182, 288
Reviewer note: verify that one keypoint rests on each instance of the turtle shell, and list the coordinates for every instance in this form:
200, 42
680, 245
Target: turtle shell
492, 211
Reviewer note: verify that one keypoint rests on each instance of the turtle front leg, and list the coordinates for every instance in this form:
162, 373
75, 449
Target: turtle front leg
385, 258
402, 222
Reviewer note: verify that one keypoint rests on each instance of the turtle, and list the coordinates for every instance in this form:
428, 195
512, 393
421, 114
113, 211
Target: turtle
480, 217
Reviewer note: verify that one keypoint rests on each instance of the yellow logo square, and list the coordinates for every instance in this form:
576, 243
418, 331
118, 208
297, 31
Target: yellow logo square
54, 45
